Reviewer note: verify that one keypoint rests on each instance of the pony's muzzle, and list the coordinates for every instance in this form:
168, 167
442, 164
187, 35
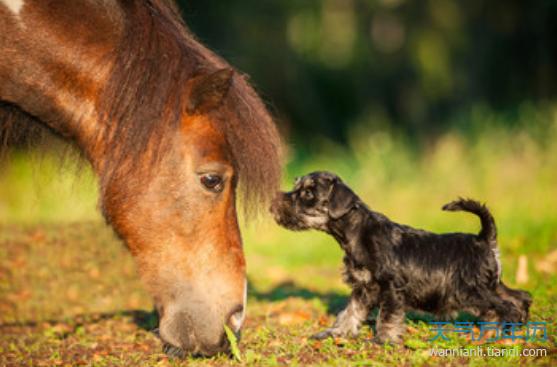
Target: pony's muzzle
201, 335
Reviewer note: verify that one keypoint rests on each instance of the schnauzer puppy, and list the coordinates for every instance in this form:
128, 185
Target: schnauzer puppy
399, 268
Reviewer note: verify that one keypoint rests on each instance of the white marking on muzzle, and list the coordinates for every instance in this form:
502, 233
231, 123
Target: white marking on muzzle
237, 321
14, 5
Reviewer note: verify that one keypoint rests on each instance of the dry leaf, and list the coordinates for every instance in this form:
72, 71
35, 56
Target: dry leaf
548, 264
290, 318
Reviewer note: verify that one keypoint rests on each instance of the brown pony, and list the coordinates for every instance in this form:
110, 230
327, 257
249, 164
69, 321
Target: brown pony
171, 130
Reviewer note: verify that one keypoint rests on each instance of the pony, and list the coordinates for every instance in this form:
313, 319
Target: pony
175, 135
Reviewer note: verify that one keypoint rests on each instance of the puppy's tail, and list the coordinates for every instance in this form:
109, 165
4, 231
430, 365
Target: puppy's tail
489, 230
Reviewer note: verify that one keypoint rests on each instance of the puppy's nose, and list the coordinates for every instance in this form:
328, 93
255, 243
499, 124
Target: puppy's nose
279, 197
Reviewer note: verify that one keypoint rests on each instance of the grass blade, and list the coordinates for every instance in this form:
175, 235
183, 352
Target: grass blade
233, 343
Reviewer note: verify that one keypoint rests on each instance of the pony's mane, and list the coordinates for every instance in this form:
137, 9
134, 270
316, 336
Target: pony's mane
156, 57
144, 100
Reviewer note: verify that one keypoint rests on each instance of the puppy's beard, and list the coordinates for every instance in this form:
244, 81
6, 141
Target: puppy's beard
315, 222
299, 222
286, 217
289, 215
292, 222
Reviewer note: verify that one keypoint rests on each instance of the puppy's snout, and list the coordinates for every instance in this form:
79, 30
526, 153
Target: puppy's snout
279, 201
286, 213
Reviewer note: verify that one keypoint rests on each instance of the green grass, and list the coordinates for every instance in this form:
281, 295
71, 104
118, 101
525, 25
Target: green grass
69, 293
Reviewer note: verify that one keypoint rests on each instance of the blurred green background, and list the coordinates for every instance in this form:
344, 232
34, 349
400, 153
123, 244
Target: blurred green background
418, 66
413, 103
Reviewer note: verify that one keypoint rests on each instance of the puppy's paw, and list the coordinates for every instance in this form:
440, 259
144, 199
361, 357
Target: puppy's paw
328, 333
383, 339
335, 333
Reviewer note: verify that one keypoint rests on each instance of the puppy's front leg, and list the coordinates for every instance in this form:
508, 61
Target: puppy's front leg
390, 320
349, 320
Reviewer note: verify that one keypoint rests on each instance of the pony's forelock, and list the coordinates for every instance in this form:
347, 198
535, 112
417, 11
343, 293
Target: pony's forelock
143, 102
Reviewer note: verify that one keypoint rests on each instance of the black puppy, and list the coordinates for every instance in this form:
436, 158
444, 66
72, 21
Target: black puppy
399, 268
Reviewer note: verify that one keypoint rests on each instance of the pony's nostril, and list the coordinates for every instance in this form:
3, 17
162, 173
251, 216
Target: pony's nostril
236, 318
173, 351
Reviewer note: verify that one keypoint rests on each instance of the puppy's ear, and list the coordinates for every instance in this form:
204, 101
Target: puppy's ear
341, 200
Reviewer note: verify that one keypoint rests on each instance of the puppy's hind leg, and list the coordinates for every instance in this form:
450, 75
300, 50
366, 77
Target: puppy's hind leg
519, 298
350, 319
502, 311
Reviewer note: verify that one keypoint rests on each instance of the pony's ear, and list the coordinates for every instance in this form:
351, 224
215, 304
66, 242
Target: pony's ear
207, 91
341, 200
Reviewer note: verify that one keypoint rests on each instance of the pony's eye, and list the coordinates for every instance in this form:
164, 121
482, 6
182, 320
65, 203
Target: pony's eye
212, 182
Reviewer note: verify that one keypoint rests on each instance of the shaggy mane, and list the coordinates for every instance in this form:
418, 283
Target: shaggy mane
144, 100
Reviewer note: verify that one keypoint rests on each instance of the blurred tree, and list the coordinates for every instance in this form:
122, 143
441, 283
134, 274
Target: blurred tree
328, 64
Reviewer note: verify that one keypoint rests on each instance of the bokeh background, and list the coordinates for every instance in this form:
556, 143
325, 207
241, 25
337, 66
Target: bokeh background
413, 103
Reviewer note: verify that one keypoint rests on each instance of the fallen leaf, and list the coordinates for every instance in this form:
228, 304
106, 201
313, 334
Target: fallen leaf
548, 264
291, 318
317, 344
323, 320
37, 237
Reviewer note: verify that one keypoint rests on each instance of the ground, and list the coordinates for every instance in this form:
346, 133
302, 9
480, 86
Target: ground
69, 295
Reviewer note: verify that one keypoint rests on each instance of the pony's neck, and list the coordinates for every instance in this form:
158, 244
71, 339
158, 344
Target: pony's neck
57, 64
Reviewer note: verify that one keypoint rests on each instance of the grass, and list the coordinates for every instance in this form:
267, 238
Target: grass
69, 293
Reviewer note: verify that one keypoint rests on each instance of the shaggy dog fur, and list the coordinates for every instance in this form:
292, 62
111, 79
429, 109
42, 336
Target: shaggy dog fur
399, 268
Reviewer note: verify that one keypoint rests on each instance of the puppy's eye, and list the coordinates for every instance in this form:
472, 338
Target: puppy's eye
307, 195
212, 182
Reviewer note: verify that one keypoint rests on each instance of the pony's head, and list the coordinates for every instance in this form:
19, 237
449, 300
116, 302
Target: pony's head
174, 134
183, 136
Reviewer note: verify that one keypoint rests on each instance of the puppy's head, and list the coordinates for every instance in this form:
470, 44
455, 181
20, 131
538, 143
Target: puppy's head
316, 199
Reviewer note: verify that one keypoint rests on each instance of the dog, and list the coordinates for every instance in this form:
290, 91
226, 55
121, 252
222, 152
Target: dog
398, 268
